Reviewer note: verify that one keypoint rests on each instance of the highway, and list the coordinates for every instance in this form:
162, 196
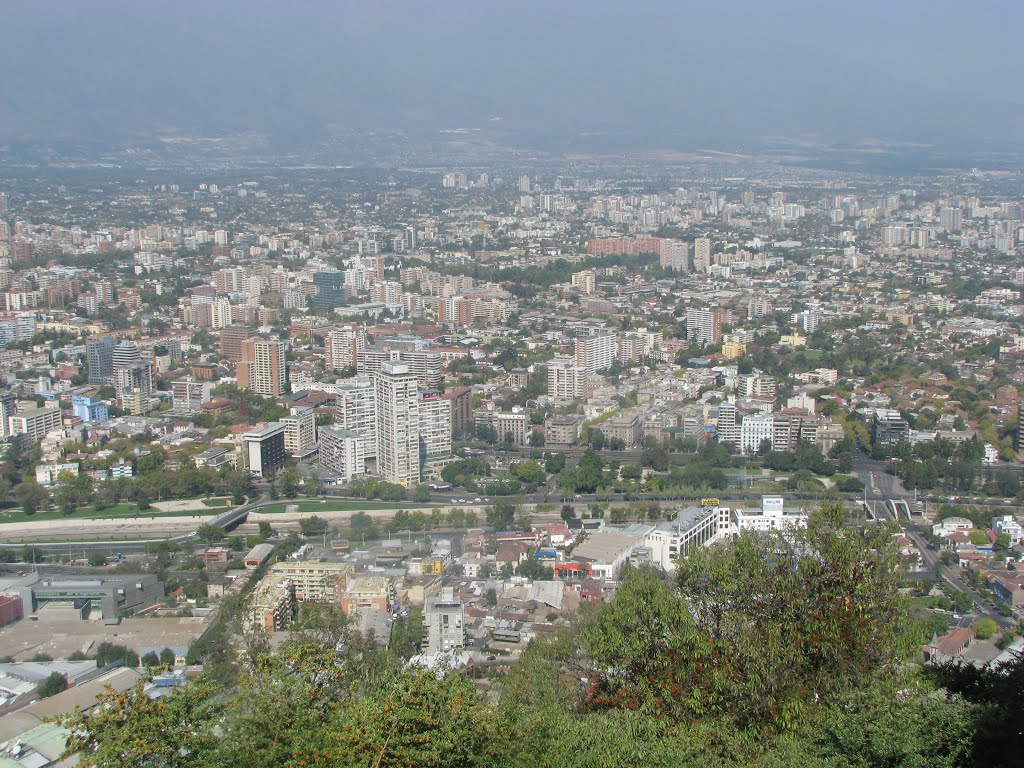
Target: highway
881, 488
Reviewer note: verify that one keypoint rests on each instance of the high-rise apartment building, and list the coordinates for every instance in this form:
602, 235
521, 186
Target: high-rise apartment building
342, 347
398, 424
675, 254
34, 423
701, 254
340, 452
8, 406
188, 395
435, 415
445, 618
704, 326
262, 368
566, 380
595, 353
356, 411
299, 430
231, 339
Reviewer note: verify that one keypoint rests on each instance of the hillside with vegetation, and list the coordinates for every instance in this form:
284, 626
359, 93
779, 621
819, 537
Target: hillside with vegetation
767, 651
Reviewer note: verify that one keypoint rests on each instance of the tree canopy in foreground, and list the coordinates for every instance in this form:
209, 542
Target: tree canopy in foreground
768, 651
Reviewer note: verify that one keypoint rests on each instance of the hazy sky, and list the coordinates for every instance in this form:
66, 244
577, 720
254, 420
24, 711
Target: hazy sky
665, 74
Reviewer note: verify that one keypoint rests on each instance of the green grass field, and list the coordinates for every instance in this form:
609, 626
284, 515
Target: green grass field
18, 515
340, 506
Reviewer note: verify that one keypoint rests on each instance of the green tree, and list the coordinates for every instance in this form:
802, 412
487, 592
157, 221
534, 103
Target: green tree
31, 496
150, 660
313, 526
985, 628
210, 533
167, 657
54, 683
288, 482
108, 653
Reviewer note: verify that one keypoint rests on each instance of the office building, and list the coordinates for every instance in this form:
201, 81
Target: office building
88, 410
263, 449
99, 356
888, 429
330, 290
132, 374
262, 368
398, 424
107, 597
692, 527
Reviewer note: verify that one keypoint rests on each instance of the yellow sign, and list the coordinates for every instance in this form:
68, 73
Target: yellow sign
709, 502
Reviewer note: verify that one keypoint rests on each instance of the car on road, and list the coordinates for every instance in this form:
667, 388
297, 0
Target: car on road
492, 658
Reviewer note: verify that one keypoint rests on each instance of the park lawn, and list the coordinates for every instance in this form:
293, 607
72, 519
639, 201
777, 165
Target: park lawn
90, 513
340, 506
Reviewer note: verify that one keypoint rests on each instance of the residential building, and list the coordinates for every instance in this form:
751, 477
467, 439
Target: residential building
597, 352
460, 400
704, 326
435, 415
562, 430
272, 606
188, 395
262, 368
444, 616
299, 430
365, 592
312, 580
342, 347
398, 424
341, 453
566, 380
34, 422
356, 411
